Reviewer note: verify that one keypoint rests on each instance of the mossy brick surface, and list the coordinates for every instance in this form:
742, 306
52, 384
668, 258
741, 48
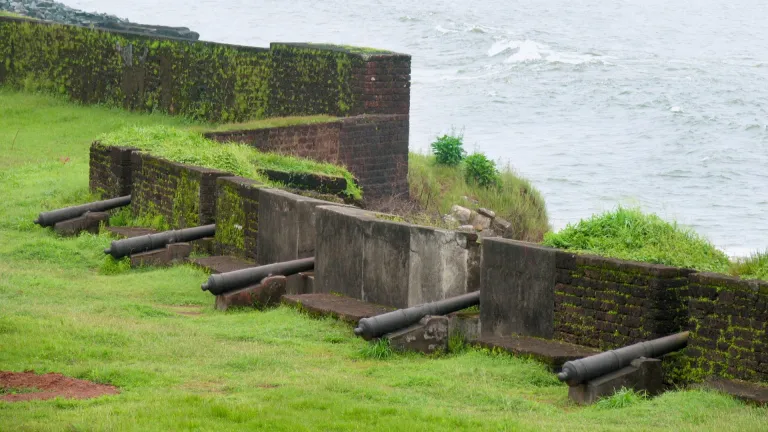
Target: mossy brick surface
374, 148
204, 80
110, 170
183, 195
728, 327
237, 216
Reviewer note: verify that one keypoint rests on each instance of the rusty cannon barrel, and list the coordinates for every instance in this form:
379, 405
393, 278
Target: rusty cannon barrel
53, 217
379, 325
225, 282
133, 245
578, 371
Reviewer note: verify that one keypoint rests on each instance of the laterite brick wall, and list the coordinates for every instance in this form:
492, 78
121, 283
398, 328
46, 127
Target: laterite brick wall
608, 303
237, 216
205, 80
110, 171
374, 148
728, 319
184, 195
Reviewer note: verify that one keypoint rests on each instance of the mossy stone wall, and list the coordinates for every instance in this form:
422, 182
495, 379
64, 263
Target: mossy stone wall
237, 216
183, 195
203, 80
608, 303
110, 173
728, 323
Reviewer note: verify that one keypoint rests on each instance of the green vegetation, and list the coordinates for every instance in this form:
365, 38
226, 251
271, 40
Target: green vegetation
480, 170
752, 267
181, 365
192, 148
437, 188
266, 123
633, 235
448, 149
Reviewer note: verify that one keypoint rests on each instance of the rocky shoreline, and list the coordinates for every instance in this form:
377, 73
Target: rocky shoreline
60, 13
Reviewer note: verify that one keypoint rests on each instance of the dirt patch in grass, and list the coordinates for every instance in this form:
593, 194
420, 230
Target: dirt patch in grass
24, 386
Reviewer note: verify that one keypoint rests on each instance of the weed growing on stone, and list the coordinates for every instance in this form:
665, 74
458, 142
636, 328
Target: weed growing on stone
623, 398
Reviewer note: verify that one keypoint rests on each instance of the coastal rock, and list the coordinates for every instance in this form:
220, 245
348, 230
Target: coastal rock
481, 222
485, 212
60, 13
502, 225
462, 214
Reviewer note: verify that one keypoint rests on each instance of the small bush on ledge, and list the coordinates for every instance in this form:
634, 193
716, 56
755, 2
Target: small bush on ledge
190, 147
449, 150
481, 170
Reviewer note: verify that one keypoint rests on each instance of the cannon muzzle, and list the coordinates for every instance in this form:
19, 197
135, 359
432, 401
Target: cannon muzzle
225, 282
53, 217
133, 245
379, 325
578, 371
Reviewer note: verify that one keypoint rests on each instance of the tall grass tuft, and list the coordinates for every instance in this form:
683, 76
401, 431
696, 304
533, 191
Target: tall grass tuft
627, 233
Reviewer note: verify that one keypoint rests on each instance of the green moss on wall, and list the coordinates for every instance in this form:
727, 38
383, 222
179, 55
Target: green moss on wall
231, 219
186, 202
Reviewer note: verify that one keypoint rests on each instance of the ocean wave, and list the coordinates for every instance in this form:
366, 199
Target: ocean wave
523, 51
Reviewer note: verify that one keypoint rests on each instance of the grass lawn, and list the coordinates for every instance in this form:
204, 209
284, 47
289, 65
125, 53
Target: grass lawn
180, 365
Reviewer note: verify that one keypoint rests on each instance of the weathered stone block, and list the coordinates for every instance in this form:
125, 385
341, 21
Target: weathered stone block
517, 288
286, 226
370, 257
89, 222
267, 293
169, 255
427, 336
644, 374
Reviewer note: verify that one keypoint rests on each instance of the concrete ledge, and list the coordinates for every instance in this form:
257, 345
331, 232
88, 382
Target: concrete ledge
553, 353
340, 307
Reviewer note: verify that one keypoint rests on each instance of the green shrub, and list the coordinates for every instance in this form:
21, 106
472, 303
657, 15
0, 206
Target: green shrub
449, 149
481, 170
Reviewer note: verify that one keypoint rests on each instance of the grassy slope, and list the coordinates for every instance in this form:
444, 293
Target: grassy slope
438, 188
249, 370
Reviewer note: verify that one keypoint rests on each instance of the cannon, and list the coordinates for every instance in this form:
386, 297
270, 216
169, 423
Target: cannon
226, 282
134, 245
579, 371
379, 325
52, 217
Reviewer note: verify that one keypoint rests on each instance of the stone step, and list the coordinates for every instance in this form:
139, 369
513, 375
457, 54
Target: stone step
745, 391
128, 232
343, 308
222, 263
551, 352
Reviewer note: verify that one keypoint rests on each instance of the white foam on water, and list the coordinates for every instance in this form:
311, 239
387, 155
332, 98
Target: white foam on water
523, 51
